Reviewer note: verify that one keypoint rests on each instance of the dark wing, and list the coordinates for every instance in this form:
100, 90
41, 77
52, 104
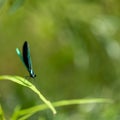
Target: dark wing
26, 56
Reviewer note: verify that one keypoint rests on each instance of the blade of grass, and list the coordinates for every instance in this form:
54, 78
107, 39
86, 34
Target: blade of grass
15, 113
37, 108
26, 83
1, 114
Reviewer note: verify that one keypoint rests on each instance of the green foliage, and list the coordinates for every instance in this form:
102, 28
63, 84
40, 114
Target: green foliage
1, 114
30, 111
26, 83
75, 49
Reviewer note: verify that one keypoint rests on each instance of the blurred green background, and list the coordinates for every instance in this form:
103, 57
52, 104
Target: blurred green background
75, 49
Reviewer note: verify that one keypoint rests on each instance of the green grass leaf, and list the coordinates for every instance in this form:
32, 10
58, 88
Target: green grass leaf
1, 114
26, 83
26, 113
